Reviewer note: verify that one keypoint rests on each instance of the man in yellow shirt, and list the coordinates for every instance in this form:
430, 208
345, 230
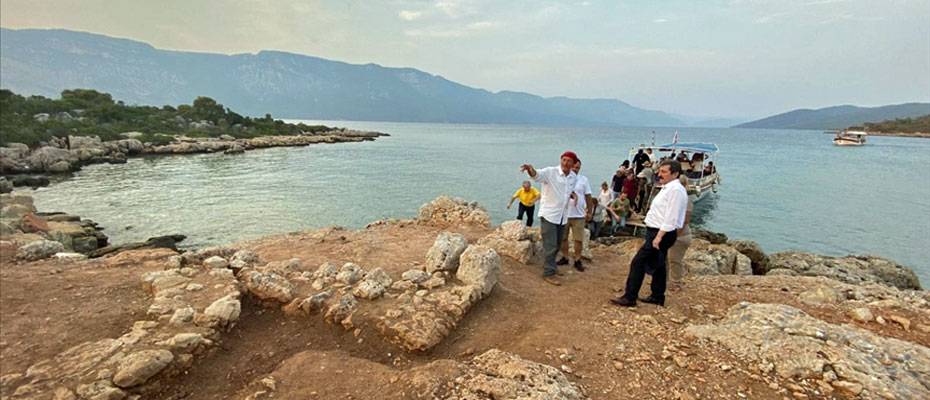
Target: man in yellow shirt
528, 196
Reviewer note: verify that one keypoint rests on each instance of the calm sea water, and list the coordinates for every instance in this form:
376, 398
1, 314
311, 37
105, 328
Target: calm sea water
787, 190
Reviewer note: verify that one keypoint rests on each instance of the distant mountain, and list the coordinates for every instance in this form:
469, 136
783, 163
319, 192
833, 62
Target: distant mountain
838, 117
45, 62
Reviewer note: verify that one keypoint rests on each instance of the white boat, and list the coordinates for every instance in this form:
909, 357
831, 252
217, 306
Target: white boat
849, 138
702, 174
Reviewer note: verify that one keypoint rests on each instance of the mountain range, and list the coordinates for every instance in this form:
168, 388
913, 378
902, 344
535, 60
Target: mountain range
287, 85
838, 117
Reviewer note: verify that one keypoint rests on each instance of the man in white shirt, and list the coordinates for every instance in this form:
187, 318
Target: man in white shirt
666, 215
557, 184
579, 213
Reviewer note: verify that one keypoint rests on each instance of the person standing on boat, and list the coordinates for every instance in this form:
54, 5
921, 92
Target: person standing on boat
676, 254
617, 180
638, 160
666, 215
557, 189
528, 196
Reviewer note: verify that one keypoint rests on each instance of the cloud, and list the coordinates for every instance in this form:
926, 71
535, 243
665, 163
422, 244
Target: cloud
470, 29
660, 20
408, 15
455, 8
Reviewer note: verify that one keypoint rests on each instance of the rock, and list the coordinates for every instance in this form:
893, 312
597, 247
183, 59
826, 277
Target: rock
341, 310
215, 262
499, 375
182, 316
904, 322
15, 211
186, 342
781, 272
434, 282
703, 258
368, 290
70, 257
403, 285
44, 158
158, 242
138, 367
446, 211
31, 223
5, 185
100, 390
760, 261
822, 294
856, 270
514, 230
861, 314
350, 273
32, 181
415, 275
247, 257
268, 285
445, 252
39, 249
224, 310
712, 237
378, 275
798, 346
480, 266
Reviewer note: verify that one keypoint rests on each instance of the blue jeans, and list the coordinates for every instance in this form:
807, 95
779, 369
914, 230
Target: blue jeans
552, 235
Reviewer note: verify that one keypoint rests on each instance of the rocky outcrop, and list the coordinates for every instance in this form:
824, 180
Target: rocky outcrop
446, 211
513, 239
788, 342
73, 234
758, 258
849, 269
703, 258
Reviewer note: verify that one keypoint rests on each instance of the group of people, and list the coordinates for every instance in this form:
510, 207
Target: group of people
567, 205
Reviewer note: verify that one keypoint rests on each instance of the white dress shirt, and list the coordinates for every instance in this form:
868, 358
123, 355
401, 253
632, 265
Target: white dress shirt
556, 187
577, 207
667, 211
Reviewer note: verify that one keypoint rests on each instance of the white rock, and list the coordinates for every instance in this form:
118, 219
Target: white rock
445, 252
216, 262
480, 266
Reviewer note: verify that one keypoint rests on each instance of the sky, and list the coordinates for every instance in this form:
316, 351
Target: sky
722, 58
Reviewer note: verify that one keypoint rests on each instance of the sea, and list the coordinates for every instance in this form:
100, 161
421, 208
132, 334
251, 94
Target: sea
785, 189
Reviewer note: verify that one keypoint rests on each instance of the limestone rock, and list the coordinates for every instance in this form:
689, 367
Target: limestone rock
751, 249
445, 252
225, 310
822, 294
795, 345
447, 211
514, 230
70, 257
268, 286
861, 314
499, 375
215, 262
415, 276
703, 258
350, 273
481, 267
368, 290
341, 310
138, 367
39, 249
855, 270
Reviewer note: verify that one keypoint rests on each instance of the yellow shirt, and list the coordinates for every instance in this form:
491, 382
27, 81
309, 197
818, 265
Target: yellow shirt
527, 197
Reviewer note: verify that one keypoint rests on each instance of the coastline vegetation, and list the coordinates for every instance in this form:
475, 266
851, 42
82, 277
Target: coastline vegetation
86, 112
901, 125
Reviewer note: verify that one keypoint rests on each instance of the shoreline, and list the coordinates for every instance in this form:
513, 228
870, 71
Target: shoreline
24, 166
922, 135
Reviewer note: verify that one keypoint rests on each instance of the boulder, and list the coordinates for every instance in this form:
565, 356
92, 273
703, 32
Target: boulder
350, 273
44, 158
415, 276
368, 290
216, 262
497, 374
712, 237
514, 230
822, 294
857, 270
5, 185
447, 211
703, 258
445, 252
861, 314
39, 249
224, 310
794, 345
480, 266
760, 261
268, 285
138, 367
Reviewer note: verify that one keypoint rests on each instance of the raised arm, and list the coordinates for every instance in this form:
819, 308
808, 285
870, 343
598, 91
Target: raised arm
528, 168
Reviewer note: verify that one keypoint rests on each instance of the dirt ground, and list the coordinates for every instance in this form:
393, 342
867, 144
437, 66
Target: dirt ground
47, 307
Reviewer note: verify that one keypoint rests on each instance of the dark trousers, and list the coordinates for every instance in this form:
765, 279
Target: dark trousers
552, 235
650, 259
529, 213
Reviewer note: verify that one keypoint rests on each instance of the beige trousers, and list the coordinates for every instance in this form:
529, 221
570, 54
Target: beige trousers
676, 255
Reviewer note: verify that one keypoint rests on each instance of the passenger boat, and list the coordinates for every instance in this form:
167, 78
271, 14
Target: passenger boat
849, 138
701, 169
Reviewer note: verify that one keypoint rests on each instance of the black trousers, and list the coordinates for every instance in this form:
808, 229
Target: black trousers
650, 259
529, 213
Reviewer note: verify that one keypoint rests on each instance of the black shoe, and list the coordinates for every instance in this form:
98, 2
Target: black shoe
579, 266
623, 302
653, 300
562, 261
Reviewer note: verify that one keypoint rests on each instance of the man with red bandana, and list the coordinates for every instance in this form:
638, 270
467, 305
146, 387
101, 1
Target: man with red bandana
558, 185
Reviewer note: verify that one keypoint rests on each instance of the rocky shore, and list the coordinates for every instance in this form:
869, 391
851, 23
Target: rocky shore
22, 166
447, 306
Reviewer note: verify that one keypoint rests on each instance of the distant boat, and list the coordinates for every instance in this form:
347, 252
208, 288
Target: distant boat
849, 138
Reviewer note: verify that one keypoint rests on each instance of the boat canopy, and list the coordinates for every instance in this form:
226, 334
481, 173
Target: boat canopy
692, 147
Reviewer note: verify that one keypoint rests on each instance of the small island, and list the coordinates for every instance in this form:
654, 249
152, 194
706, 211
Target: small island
41, 135
906, 127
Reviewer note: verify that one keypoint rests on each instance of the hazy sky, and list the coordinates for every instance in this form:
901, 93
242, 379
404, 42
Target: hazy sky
741, 58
